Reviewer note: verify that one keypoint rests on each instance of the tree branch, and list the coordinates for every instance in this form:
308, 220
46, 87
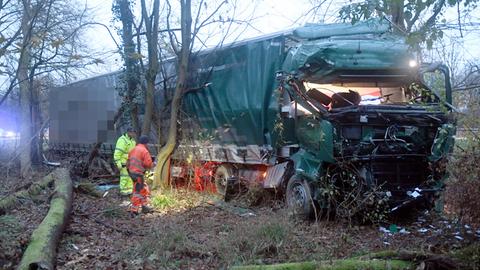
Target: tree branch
171, 34
418, 10
431, 20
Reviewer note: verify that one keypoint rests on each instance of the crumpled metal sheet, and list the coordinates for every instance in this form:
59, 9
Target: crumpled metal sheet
371, 26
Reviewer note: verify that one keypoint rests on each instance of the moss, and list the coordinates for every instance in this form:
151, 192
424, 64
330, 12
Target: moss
284, 266
13, 199
366, 264
469, 255
41, 248
347, 264
384, 254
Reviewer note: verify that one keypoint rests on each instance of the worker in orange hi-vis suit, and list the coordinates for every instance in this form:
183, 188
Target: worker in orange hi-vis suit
139, 160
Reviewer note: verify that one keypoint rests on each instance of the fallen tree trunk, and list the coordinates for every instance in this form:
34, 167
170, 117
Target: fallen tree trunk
41, 251
347, 264
387, 259
16, 198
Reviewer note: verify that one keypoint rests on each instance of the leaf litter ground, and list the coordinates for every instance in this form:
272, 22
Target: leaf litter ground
194, 230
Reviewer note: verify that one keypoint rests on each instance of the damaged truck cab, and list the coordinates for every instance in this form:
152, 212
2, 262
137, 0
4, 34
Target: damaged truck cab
370, 124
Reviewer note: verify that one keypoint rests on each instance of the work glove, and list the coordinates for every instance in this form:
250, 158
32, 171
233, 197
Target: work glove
149, 177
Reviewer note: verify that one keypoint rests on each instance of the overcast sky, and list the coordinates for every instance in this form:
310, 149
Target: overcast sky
270, 16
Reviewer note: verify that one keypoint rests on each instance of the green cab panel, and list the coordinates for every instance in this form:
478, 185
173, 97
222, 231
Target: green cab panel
306, 165
443, 142
316, 135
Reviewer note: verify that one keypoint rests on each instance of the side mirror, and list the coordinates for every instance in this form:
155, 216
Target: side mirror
437, 77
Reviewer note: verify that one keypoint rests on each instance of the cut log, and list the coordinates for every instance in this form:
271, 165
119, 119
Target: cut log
16, 198
41, 251
89, 189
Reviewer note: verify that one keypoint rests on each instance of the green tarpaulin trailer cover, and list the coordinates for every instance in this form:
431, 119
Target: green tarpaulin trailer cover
240, 104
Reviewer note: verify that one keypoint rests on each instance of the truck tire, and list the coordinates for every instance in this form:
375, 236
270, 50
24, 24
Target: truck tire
222, 174
299, 198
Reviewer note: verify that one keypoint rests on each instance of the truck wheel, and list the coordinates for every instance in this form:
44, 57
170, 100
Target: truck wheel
299, 198
222, 174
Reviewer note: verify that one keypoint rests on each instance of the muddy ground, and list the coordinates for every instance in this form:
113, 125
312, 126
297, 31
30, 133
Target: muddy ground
195, 230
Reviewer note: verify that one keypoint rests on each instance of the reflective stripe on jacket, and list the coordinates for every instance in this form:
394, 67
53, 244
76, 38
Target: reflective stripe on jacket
124, 145
139, 160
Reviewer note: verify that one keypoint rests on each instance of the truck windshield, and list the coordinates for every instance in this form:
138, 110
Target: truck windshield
333, 96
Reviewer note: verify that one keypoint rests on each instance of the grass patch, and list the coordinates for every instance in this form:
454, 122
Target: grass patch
167, 247
274, 233
177, 199
162, 201
469, 255
255, 241
175, 243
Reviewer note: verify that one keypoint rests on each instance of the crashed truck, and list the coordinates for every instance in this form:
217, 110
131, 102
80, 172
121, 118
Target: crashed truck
318, 112
324, 108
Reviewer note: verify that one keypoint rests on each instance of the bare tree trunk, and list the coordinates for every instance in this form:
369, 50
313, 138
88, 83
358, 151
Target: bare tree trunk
36, 116
25, 102
162, 170
151, 26
397, 12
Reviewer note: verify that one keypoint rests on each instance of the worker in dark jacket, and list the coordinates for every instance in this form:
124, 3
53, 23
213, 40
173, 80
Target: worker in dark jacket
139, 160
125, 143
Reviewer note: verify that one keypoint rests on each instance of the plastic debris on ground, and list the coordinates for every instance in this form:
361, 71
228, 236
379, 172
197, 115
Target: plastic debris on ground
393, 228
125, 203
415, 194
384, 230
105, 187
248, 214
